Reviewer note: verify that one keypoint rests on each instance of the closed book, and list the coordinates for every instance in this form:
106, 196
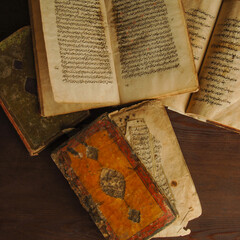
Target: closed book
18, 95
112, 184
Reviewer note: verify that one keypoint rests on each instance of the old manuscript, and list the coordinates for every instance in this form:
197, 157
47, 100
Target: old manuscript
103, 53
200, 17
219, 97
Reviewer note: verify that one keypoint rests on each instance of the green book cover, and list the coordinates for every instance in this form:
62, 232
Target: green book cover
18, 95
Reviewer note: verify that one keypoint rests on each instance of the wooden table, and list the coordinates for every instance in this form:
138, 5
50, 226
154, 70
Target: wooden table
36, 202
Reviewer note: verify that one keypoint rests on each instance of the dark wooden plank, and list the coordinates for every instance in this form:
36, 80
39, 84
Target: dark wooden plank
213, 157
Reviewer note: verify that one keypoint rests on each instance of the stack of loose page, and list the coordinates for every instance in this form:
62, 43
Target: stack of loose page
98, 53
101, 166
218, 100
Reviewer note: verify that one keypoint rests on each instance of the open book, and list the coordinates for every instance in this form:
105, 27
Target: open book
102, 166
99, 53
214, 28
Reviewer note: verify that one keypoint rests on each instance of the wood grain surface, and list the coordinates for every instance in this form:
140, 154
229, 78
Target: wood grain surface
36, 202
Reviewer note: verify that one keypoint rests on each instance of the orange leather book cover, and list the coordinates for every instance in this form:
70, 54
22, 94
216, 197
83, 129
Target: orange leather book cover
112, 184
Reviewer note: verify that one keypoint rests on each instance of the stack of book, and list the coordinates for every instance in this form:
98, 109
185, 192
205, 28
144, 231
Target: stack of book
126, 167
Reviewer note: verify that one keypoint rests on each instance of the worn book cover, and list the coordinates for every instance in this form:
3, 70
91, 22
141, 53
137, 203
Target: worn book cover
18, 95
112, 184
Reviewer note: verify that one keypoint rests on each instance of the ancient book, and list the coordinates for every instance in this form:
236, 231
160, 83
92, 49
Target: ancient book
218, 99
18, 95
128, 172
99, 53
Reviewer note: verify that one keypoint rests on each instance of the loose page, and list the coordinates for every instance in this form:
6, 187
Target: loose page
219, 97
48, 105
151, 48
148, 130
201, 17
78, 57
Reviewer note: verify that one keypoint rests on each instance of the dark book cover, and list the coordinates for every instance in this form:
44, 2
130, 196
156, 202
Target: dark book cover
112, 184
18, 95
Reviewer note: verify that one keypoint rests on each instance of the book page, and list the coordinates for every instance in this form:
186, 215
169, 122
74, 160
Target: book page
48, 105
152, 52
148, 130
201, 16
148, 149
219, 97
78, 57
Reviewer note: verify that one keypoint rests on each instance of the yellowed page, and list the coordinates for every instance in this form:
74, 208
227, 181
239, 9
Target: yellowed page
148, 130
219, 97
47, 104
152, 53
77, 53
201, 17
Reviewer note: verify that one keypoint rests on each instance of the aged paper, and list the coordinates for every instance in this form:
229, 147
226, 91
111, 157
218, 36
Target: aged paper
78, 57
149, 132
219, 97
47, 103
201, 16
151, 49
148, 149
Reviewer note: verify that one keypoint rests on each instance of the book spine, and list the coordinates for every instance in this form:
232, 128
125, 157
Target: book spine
31, 151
